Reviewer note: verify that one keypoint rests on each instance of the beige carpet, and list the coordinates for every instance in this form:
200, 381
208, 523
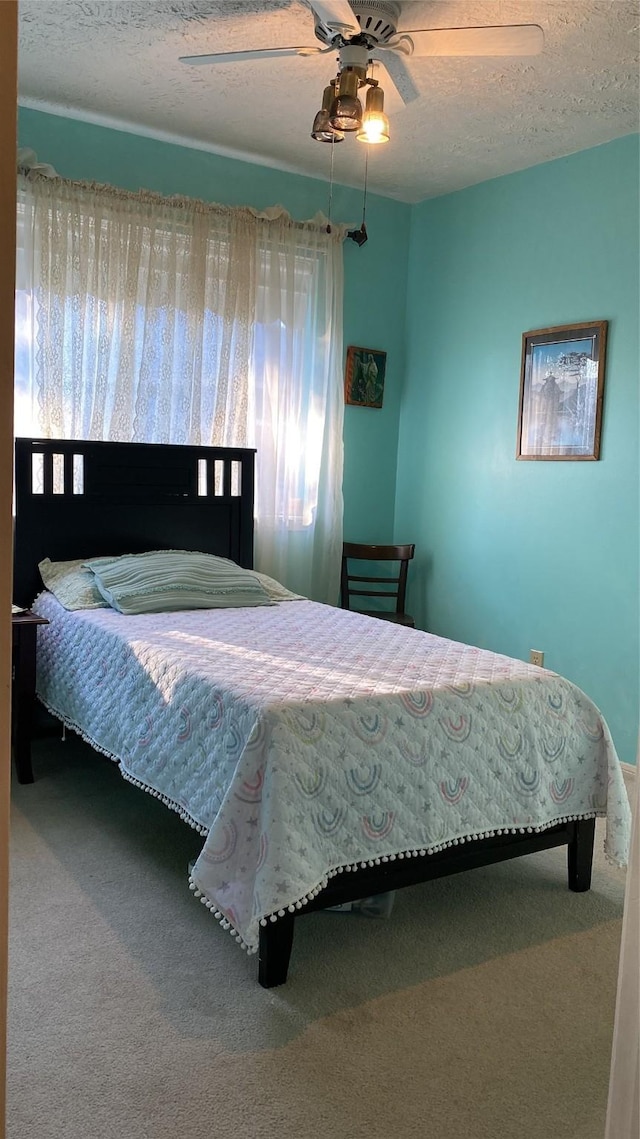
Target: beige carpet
482, 1009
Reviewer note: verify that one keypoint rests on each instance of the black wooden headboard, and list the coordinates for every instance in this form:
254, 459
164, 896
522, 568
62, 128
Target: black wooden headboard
78, 499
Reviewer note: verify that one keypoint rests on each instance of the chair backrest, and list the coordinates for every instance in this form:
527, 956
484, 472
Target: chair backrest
395, 588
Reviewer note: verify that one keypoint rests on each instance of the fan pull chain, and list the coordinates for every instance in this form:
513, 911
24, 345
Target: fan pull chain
364, 199
361, 235
332, 146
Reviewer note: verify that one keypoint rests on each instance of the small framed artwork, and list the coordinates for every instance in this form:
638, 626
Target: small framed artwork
561, 391
364, 376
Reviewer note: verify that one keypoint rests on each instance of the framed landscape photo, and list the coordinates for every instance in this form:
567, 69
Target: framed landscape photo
364, 376
561, 391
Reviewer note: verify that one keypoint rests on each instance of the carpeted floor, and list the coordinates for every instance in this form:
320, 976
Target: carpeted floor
482, 1009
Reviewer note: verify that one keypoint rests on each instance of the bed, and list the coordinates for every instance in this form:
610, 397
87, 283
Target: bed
323, 756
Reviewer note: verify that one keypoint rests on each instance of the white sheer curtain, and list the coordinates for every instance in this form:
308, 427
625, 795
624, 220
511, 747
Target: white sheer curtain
623, 1114
296, 407
141, 318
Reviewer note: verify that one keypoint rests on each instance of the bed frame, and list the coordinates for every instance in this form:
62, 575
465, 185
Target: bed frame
75, 499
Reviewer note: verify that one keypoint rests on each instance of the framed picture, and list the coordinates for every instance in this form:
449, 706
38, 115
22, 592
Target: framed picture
561, 391
364, 376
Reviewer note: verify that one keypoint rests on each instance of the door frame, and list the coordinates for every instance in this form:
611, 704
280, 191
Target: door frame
8, 99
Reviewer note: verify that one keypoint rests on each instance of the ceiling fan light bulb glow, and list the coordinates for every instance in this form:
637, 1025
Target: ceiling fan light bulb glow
374, 129
375, 124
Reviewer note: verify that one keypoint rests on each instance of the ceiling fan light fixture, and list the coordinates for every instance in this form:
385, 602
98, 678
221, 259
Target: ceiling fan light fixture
346, 113
375, 124
346, 109
322, 131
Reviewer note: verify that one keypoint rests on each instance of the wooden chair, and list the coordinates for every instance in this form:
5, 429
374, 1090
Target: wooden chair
393, 588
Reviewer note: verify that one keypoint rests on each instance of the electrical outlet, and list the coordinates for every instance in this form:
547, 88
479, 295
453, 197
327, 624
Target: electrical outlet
536, 657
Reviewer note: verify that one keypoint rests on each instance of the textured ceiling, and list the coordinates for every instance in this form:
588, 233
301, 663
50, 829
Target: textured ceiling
116, 61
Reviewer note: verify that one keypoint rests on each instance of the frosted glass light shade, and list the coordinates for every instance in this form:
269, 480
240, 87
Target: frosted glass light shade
346, 109
375, 124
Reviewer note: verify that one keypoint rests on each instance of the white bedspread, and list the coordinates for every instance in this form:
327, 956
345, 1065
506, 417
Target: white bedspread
303, 739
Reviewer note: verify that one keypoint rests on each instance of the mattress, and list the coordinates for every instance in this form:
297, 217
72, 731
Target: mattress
303, 741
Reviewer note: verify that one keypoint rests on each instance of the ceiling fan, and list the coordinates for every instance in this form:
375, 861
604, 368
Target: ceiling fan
367, 30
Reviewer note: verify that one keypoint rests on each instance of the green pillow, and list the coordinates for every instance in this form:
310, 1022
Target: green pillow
71, 584
167, 580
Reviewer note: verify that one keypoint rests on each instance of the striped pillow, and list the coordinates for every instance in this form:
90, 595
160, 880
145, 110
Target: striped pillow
167, 580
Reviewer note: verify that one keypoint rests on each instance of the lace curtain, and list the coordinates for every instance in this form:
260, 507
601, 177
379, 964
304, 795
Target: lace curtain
147, 319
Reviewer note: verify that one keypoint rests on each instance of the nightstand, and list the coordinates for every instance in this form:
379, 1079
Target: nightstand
24, 628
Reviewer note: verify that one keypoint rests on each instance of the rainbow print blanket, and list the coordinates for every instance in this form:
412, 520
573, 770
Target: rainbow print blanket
302, 740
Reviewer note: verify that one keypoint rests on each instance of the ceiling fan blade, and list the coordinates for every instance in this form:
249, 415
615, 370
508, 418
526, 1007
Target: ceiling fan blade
256, 54
398, 75
337, 15
509, 39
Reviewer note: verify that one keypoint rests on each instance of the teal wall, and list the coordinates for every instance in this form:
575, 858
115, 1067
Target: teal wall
520, 555
375, 273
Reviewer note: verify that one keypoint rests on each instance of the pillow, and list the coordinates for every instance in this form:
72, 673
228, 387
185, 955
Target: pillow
276, 591
166, 580
71, 584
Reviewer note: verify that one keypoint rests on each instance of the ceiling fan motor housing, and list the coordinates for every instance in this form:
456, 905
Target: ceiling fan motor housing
378, 21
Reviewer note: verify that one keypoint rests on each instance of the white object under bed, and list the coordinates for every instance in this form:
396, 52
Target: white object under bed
305, 740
